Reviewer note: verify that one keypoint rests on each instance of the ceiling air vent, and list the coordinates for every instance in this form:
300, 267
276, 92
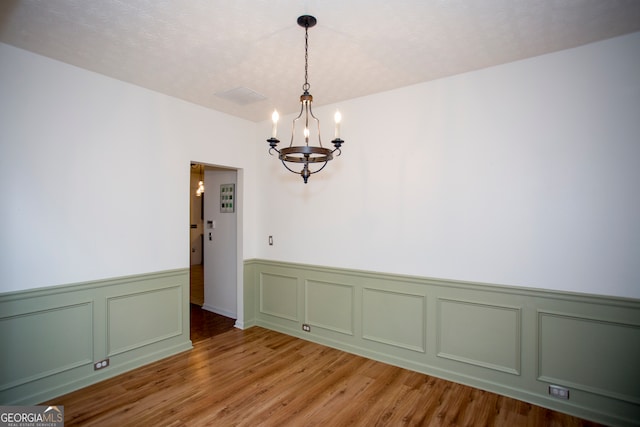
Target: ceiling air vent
241, 96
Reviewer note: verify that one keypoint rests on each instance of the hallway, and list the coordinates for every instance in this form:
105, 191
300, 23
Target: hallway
196, 281
205, 324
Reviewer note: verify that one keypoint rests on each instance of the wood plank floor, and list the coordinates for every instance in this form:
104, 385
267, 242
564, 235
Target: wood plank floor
259, 377
196, 284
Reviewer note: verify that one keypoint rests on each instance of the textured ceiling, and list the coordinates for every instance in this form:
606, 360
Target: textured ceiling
245, 57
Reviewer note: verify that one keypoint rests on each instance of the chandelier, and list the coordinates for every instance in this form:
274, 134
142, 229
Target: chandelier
200, 190
315, 155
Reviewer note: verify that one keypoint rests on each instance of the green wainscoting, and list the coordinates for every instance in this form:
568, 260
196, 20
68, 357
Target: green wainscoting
510, 340
51, 337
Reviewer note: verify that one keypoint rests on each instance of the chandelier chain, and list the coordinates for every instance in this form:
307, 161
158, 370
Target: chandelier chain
306, 86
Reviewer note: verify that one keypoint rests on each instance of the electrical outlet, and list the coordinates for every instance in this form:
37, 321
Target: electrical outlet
559, 392
101, 364
306, 327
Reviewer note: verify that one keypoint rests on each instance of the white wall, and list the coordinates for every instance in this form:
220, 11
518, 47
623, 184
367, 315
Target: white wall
94, 173
524, 174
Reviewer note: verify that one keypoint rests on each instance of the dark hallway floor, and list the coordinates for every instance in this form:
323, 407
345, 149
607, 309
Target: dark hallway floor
205, 324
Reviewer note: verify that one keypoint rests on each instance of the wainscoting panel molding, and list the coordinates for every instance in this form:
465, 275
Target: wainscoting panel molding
64, 334
510, 340
51, 337
162, 319
569, 357
329, 306
279, 296
385, 315
479, 334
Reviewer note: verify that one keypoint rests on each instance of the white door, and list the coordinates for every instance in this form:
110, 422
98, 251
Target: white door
220, 237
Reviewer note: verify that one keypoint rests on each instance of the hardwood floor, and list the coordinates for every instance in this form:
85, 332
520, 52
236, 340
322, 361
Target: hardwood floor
196, 284
259, 377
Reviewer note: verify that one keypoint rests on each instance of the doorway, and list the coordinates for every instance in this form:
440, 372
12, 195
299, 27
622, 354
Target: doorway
214, 242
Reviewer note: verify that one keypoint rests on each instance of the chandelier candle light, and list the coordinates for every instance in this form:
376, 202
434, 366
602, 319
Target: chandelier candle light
200, 190
306, 153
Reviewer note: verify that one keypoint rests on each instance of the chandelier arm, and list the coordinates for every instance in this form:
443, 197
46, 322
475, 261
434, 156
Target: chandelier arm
293, 124
325, 164
298, 173
301, 111
288, 168
317, 124
311, 113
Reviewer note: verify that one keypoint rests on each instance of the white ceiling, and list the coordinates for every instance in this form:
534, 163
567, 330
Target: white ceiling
197, 50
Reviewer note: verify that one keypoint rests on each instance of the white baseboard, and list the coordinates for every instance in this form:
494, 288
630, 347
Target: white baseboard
219, 311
